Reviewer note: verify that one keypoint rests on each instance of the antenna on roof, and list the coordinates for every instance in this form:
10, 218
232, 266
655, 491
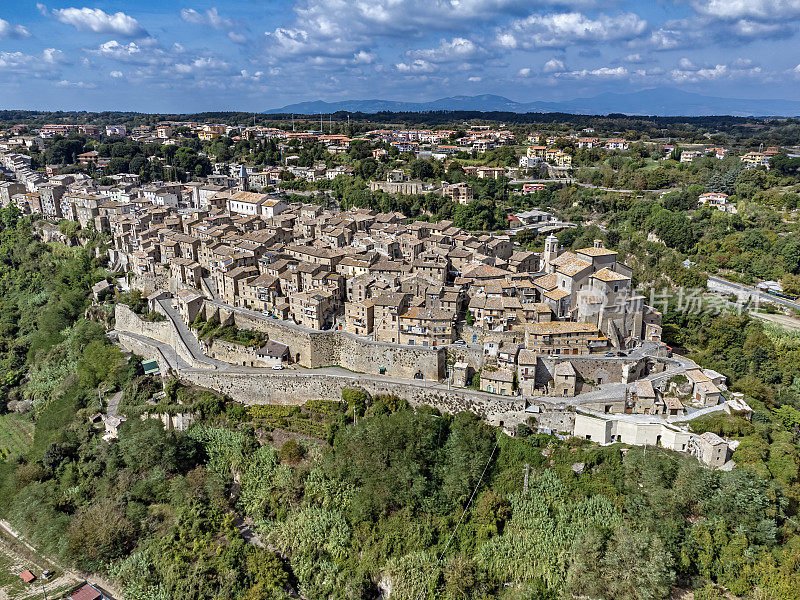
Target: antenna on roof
292, 121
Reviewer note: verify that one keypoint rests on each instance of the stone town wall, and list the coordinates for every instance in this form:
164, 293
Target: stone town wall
591, 370
145, 350
472, 355
234, 354
162, 331
150, 282
314, 349
296, 388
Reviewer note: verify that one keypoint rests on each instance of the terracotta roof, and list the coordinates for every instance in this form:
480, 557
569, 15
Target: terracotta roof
557, 294
574, 267
86, 592
609, 275
546, 282
27, 576
595, 251
556, 327
504, 376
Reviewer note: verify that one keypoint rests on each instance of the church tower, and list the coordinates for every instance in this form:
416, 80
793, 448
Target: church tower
244, 184
550, 252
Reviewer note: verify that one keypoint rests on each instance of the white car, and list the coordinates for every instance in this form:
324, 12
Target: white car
277, 367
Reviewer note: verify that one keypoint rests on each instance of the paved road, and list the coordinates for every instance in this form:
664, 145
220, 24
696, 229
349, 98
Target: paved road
113, 404
718, 284
187, 337
177, 364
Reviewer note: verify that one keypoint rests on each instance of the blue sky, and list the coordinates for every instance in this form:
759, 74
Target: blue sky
162, 55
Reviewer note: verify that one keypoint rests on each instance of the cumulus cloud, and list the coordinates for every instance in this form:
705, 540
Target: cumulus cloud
457, 49
634, 59
340, 28
600, 73
53, 56
417, 66
363, 57
120, 51
558, 30
553, 65
46, 61
210, 17
13, 31
201, 65
524, 72
474, 79
764, 10
116, 74
83, 85
99, 21
693, 74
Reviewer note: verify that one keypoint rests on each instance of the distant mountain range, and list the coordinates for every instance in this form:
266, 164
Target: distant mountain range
656, 102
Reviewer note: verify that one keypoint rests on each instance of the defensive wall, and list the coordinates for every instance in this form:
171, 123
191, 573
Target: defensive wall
313, 349
162, 331
291, 388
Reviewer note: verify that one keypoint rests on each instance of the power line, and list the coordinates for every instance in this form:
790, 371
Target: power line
463, 514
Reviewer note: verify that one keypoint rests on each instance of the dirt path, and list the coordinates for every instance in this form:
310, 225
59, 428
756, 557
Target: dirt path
790, 323
13, 562
16, 555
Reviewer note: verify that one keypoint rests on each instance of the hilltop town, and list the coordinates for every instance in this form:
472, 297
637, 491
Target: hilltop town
251, 264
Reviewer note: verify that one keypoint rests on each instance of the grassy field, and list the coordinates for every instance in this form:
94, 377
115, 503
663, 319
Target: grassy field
16, 435
11, 586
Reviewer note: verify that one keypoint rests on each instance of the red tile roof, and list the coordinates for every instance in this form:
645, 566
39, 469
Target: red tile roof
86, 592
27, 576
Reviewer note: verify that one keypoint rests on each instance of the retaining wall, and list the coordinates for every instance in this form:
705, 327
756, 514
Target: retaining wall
295, 389
313, 349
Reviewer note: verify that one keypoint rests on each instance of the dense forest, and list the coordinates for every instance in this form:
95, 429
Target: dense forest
411, 502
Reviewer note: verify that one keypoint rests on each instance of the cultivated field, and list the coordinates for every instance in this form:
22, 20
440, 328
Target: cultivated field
16, 435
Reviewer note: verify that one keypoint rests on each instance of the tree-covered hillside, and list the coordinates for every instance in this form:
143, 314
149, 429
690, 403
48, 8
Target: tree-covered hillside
407, 503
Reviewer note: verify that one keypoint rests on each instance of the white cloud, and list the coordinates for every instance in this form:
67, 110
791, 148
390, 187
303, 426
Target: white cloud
634, 59
340, 28
201, 65
54, 57
363, 57
116, 74
417, 66
124, 52
14, 31
693, 75
46, 62
236, 38
559, 30
764, 10
600, 73
553, 65
524, 72
210, 17
457, 49
84, 85
475, 79
98, 21
688, 72
753, 29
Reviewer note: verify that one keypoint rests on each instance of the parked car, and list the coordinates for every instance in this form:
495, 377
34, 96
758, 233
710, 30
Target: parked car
277, 367
609, 354
622, 354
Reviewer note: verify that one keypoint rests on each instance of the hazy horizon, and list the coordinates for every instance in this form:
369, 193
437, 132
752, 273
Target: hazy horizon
254, 55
